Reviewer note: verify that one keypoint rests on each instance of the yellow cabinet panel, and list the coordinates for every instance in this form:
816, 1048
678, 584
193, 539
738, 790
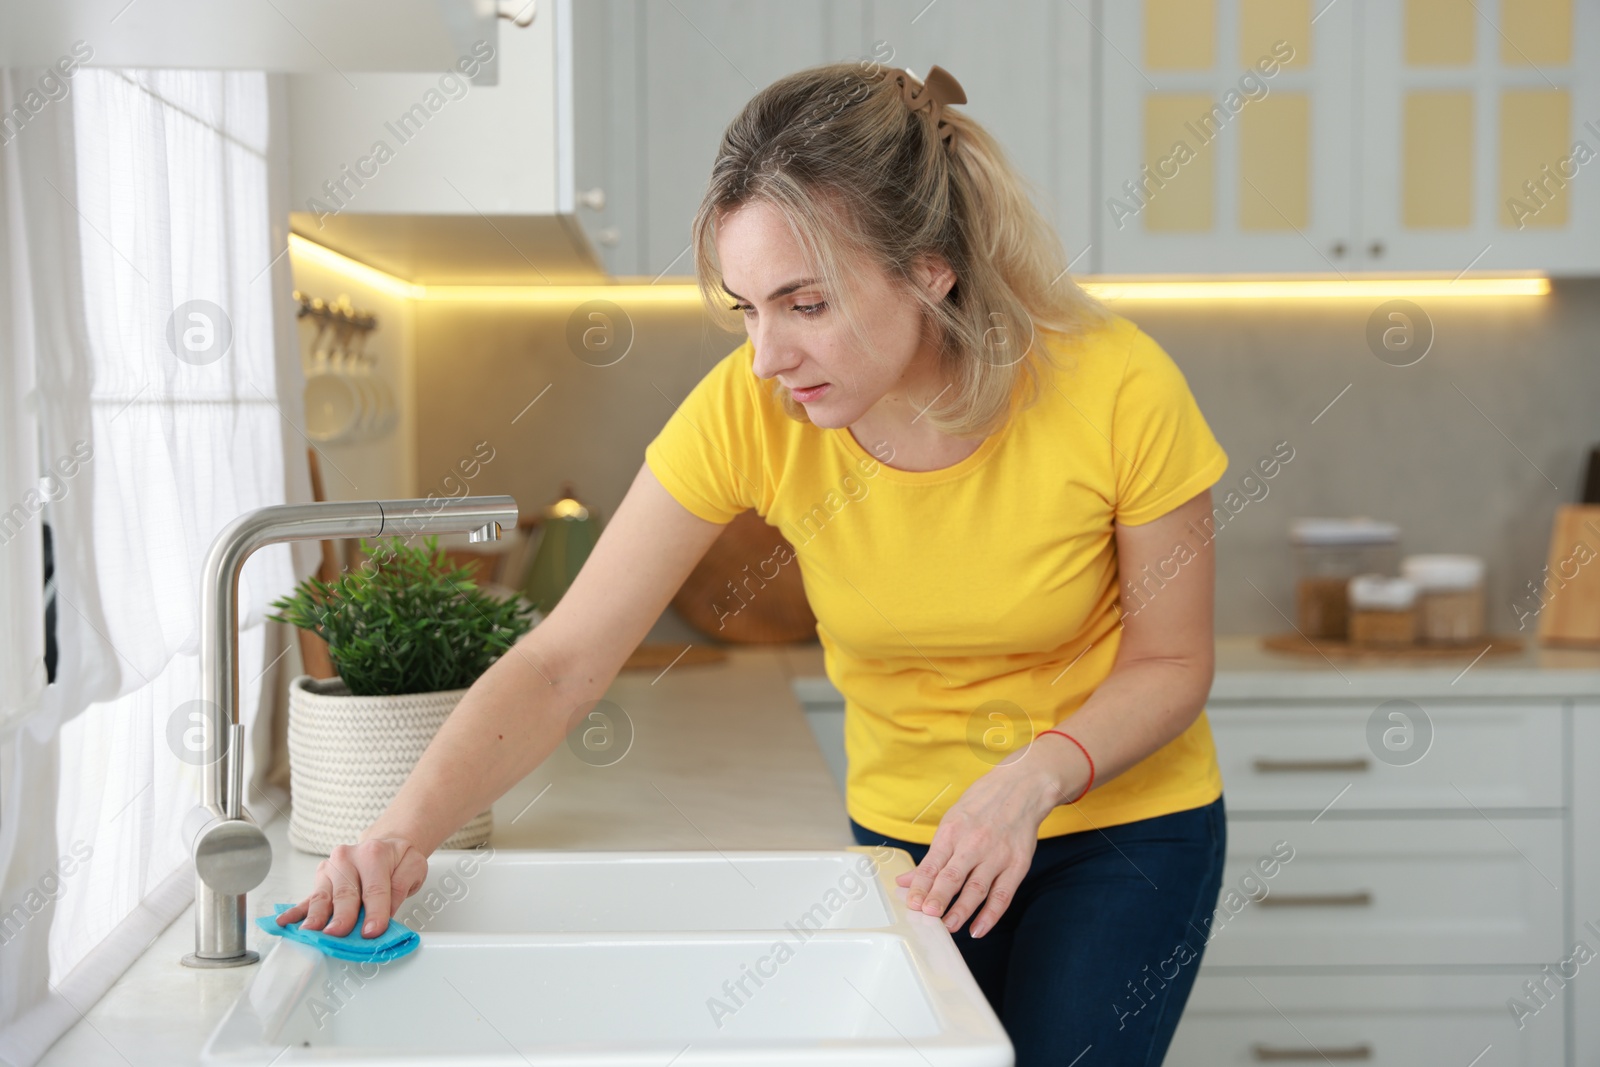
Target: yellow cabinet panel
1534, 32
1180, 155
1275, 163
1440, 33
1436, 160
1179, 34
1534, 125
1263, 23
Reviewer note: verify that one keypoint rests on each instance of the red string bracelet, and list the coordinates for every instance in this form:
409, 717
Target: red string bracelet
1090, 783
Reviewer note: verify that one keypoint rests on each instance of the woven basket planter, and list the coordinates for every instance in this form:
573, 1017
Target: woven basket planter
349, 756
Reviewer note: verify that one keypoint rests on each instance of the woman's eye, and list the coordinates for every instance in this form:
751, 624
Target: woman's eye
809, 310
746, 308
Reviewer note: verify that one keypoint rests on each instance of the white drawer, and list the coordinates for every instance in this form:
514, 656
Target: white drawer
1401, 891
1287, 758
1443, 1020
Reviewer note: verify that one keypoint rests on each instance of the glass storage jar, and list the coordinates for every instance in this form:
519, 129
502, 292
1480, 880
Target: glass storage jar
1449, 597
1328, 553
1383, 611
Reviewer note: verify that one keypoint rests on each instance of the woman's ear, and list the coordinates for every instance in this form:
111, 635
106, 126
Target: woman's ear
935, 275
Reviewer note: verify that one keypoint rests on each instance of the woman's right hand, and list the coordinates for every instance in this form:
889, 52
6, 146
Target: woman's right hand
380, 873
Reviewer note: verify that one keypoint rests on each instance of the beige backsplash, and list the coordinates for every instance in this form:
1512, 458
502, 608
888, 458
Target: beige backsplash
1455, 448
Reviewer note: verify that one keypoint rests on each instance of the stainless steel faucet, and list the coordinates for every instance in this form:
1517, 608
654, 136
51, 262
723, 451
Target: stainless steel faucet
231, 853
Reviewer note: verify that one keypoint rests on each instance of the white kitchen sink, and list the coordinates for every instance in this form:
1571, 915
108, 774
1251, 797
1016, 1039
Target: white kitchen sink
583, 892
628, 959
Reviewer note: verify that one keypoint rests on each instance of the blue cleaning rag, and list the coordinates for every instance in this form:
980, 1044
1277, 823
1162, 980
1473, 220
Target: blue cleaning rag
397, 939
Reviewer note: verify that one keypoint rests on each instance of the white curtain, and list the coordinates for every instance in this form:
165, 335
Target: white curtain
151, 374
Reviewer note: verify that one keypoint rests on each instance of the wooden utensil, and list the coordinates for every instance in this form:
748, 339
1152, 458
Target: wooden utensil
313, 649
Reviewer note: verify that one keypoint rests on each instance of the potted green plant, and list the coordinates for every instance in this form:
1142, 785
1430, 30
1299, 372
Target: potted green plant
408, 633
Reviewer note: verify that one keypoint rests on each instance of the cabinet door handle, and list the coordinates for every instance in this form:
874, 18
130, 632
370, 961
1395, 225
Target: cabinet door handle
1311, 766
1360, 899
1274, 1054
520, 12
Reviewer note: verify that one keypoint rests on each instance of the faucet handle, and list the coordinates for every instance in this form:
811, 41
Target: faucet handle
232, 856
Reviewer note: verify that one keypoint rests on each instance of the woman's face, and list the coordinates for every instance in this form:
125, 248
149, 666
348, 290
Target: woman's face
800, 338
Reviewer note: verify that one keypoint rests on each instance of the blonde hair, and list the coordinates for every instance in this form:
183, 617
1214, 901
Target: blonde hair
857, 176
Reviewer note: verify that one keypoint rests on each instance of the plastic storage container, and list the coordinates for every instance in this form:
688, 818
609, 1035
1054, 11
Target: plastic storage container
1328, 553
1383, 611
1450, 597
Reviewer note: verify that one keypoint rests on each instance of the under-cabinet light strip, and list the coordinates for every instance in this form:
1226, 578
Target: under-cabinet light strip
1107, 288
1311, 288
669, 292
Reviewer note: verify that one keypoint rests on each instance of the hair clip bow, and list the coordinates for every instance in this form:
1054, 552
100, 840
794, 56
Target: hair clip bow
936, 90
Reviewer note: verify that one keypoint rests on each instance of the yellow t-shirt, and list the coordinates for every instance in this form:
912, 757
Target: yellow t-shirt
951, 603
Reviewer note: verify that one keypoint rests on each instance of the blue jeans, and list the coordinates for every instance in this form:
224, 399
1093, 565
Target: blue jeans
1097, 953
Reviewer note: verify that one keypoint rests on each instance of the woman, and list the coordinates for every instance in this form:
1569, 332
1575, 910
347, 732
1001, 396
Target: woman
971, 458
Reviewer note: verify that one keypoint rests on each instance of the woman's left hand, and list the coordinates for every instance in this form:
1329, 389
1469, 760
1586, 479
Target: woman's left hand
984, 845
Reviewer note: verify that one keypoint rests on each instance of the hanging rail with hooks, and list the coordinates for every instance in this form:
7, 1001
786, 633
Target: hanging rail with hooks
345, 401
339, 312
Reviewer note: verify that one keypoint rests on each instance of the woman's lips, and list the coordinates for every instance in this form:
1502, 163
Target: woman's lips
807, 395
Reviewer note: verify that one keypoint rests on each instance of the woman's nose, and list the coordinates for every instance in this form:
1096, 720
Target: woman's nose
773, 356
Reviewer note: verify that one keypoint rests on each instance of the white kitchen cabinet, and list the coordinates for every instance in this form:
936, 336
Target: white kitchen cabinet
1391, 141
702, 60
1388, 892
1299, 755
699, 62
1385, 1021
436, 179
1457, 866
430, 143
1032, 90
342, 39
1471, 112
1584, 744
607, 116
1226, 137
605, 83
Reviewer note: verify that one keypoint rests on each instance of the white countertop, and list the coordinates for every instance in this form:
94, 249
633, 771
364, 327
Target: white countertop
722, 758
1246, 671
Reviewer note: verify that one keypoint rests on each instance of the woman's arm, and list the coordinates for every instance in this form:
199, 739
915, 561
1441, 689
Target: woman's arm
520, 709
1164, 666
1155, 690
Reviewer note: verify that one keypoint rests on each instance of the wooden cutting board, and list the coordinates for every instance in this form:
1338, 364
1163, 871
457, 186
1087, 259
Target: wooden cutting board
1570, 609
747, 588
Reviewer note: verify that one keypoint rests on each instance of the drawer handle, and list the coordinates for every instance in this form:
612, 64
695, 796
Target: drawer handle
1360, 899
1312, 766
1270, 1053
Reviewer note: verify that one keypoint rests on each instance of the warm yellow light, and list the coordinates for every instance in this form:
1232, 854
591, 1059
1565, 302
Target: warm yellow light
563, 294
355, 270
1310, 288
1105, 287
